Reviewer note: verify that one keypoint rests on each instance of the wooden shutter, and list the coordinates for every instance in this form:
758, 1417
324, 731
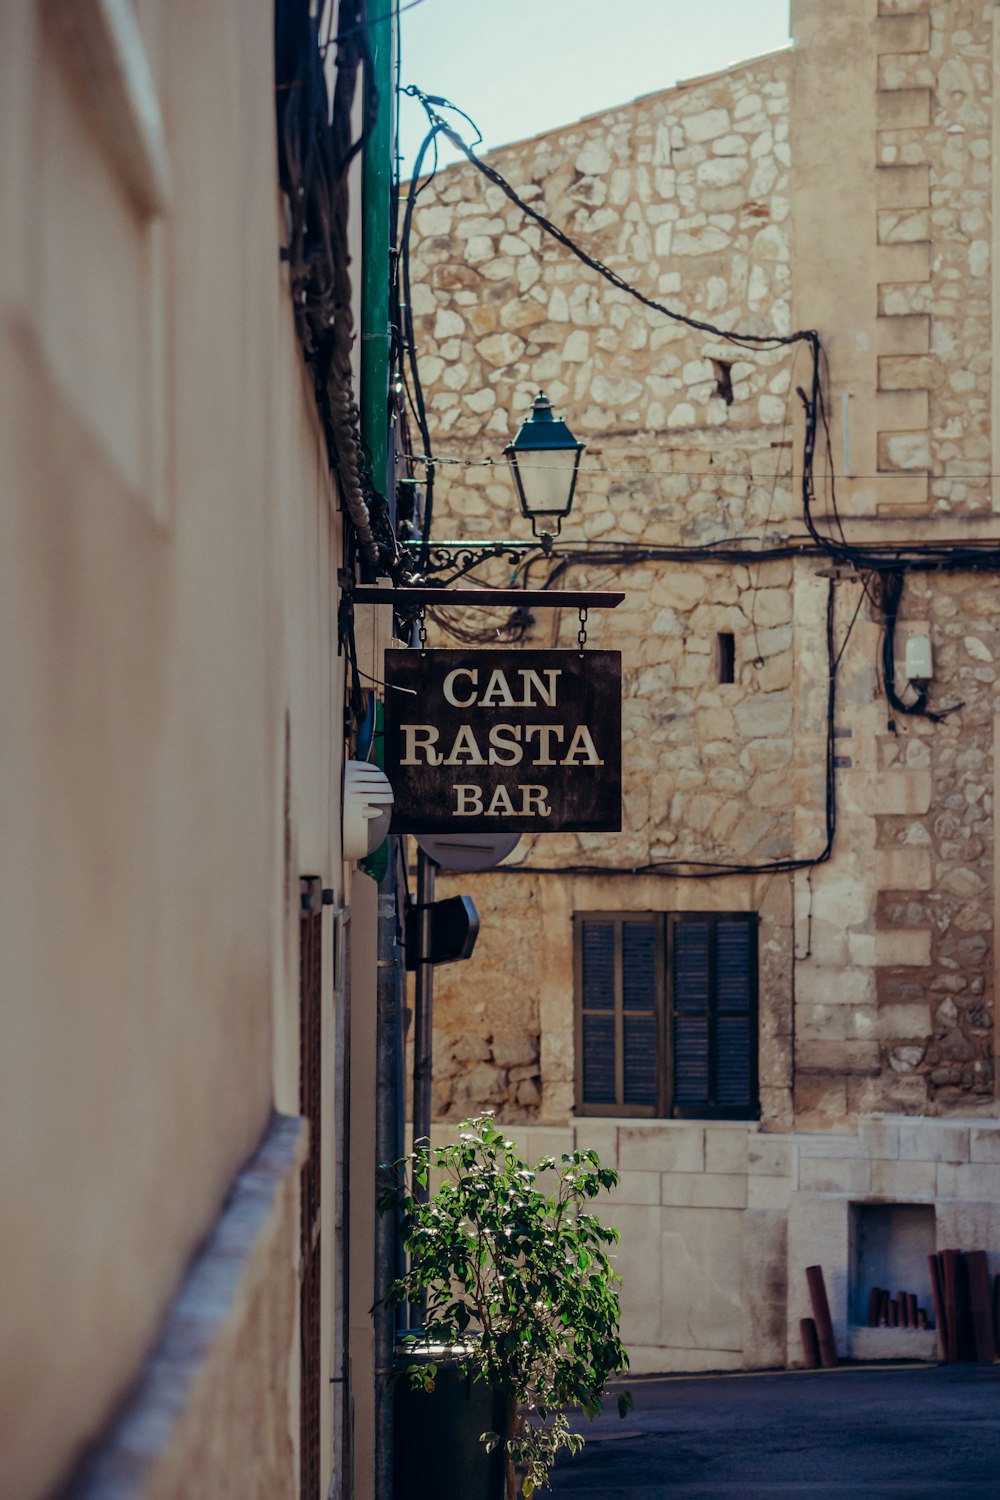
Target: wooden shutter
736, 1015
597, 1005
640, 988
691, 996
619, 1048
713, 1014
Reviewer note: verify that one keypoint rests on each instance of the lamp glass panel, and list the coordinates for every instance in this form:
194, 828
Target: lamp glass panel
546, 476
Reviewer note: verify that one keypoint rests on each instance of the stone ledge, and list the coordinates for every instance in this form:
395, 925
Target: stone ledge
891, 1343
215, 1298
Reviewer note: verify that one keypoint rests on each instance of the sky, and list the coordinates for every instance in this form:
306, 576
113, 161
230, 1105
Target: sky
519, 67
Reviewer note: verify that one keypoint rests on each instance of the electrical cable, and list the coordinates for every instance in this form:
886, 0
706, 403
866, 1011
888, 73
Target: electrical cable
703, 869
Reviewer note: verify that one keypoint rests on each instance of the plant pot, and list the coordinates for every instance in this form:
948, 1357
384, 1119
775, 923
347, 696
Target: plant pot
437, 1452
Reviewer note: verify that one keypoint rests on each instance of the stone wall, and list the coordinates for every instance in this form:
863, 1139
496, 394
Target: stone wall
719, 1221
723, 199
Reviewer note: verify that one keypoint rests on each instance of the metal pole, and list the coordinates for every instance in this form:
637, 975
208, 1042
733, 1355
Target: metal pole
423, 1010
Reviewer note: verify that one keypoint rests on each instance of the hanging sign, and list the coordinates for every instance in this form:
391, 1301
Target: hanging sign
517, 741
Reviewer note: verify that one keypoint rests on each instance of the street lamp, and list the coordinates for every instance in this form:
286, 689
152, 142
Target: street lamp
544, 459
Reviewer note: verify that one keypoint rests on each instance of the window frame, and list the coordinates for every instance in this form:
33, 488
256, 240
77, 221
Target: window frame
665, 923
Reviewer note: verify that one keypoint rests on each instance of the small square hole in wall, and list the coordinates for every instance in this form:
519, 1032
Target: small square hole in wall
723, 379
725, 656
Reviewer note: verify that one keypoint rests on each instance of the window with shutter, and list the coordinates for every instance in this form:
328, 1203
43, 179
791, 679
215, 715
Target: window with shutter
666, 1014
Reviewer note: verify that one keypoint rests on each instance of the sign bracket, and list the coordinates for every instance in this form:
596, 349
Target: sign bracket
418, 597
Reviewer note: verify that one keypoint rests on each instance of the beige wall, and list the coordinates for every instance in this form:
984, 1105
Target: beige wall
169, 617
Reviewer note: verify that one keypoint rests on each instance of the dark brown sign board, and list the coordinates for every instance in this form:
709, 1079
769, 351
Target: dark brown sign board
517, 741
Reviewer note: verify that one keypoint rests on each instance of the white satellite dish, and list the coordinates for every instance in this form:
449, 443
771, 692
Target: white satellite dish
467, 852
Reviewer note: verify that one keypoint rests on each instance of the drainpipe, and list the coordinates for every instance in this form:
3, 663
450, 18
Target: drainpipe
376, 220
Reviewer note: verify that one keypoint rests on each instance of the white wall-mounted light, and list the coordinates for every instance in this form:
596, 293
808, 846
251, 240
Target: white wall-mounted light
367, 808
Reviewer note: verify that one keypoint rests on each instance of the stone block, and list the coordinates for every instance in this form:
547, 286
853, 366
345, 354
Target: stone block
971, 1180
933, 1140
904, 262
879, 1138
902, 187
903, 109
903, 869
700, 1267
910, 946
843, 987
820, 1101
823, 1023
663, 1147
899, 793
902, 495
834, 1174
600, 1136
637, 1261
726, 1150
903, 33
835, 1144
984, 1143
703, 1190
902, 7
837, 1057
772, 1156
908, 372
904, 1180
543, 1140
764, 1287
903, 1021
637, 1187
901, 410
770, 1193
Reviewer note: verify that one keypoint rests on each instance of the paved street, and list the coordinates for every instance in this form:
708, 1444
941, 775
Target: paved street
909, 1434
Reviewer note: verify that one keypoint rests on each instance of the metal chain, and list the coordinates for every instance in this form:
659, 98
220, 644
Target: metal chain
422, 631
581, 634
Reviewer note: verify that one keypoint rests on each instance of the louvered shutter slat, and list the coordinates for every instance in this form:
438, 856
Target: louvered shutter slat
691, 980
598, 1059
598, 976
639, 957
734, 981
641, 1063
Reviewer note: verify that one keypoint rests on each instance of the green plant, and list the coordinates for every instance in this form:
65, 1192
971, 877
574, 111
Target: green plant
517, 1283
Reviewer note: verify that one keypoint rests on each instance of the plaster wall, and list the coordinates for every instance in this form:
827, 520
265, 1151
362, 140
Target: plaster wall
171, 754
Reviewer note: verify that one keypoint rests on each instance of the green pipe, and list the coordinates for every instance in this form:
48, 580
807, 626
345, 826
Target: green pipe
376, 229
376, 219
